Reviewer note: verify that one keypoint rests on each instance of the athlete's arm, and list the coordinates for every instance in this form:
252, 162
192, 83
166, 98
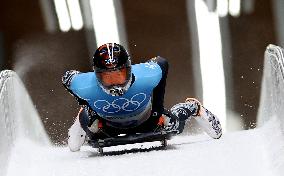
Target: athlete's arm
66, 81
159, 90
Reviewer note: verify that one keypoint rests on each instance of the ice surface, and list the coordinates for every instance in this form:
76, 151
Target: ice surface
239, 153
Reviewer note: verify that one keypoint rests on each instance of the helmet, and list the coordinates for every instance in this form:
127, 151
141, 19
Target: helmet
112, 66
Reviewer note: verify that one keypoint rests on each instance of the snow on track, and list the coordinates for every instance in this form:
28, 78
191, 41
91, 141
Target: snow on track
239, 153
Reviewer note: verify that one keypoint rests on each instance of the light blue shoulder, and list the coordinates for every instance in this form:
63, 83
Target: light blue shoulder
150, 72
83, 84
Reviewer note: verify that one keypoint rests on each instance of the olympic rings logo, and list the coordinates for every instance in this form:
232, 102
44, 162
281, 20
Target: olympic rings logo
121, 104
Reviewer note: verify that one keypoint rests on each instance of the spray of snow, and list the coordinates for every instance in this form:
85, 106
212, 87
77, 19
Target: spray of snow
24, 61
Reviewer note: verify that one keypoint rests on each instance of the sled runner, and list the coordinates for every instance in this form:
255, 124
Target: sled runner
132, 139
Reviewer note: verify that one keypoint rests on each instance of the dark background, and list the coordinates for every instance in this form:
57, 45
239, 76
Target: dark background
159, 27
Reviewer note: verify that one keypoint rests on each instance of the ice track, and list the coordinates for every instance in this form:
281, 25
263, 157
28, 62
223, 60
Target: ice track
25, 148
242, 153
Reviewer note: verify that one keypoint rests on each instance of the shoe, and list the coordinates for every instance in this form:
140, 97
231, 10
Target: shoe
209, 123
207, 120
76, 136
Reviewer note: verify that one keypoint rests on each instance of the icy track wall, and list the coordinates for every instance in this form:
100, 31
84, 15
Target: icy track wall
272, 92
18, 117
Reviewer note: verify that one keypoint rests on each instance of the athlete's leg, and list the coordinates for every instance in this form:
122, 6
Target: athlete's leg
84, 128
193, 108
170, 122
159, 90
185, 111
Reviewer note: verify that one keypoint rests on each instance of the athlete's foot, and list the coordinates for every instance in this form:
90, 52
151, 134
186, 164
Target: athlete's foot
76, 136
209, 123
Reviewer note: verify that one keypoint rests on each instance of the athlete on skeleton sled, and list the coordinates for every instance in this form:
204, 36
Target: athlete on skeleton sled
120, 98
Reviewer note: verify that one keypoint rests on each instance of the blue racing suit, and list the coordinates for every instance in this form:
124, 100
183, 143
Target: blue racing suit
139, 108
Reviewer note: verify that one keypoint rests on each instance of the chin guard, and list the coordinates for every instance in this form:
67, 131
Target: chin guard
116, 91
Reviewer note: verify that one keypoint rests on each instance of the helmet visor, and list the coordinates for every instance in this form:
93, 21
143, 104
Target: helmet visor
113, 77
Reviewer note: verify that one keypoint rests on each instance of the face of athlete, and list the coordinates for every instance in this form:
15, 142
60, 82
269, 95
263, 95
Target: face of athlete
114, 77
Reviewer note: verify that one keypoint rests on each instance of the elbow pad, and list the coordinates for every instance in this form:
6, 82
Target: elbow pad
68, 76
